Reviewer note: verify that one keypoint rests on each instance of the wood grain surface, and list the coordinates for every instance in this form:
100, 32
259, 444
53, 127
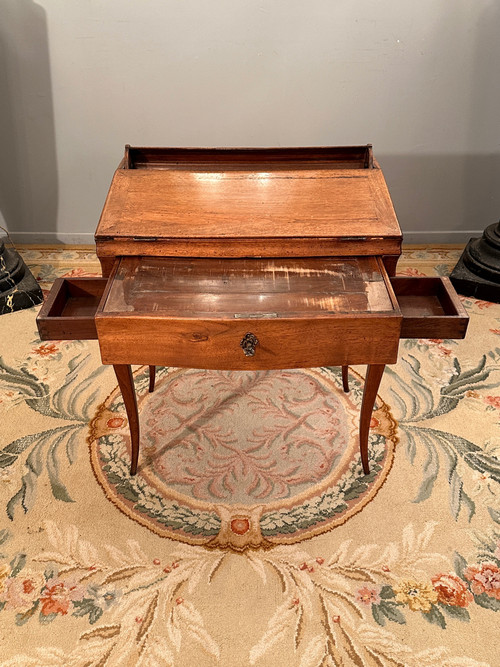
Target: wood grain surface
248, 202
248, 288
240, 204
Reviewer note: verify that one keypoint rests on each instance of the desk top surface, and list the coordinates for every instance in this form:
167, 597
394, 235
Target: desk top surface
248, 194
248, 288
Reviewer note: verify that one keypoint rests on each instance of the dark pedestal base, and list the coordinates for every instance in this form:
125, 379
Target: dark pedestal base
18, 287
477, 272
468, 284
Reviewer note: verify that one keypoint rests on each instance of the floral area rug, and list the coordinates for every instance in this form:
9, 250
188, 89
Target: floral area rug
249, 535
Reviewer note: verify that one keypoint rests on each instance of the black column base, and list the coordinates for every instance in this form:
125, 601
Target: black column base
468, 284
18, 287
477, 272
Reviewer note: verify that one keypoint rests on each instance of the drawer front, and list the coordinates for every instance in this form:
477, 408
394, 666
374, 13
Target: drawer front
69, 310
270, 344
430, 308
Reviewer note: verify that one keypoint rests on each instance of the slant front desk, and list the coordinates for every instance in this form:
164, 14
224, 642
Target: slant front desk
250, 259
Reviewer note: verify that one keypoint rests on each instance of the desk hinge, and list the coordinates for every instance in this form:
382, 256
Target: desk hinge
144, 238
254, 316
343, 239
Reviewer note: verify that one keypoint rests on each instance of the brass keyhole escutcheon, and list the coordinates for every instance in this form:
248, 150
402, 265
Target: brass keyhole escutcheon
249, 343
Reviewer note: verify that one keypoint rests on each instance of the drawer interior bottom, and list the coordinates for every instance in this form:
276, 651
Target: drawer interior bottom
78, 300
430, 308
69, 312
420, 305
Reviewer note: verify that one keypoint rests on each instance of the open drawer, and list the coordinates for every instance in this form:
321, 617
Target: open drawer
248, 313
69, 312
430, 308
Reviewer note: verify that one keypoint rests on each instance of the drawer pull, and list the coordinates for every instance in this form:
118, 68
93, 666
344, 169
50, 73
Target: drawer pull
249, 343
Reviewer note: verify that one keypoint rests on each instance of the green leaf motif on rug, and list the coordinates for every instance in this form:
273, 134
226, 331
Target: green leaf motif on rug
45, 450
460, 564
72, 401
487, 602
88, 606
415, 401
388, 610
459, 613
4, 536
24, 617
435, 616
17, 564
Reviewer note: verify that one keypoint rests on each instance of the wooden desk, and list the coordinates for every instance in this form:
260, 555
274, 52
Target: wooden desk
250, 314
248, 202
317, 289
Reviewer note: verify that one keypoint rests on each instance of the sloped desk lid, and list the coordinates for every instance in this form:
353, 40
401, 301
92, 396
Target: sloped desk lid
246, 195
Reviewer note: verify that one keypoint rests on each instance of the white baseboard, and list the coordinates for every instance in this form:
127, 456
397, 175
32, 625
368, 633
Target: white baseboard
53, 238
437, 237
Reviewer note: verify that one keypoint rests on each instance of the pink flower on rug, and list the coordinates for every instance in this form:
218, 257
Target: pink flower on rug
76, 273
115, 422
58, 596
451, 590
484, 579
410, 271
430, 342
494, 401
367, 596
20, 592
483, 304
46, 349
495, 331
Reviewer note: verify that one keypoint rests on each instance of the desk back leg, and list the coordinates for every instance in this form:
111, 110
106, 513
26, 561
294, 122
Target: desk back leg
345, 378
126, 384
372, 383
152, 377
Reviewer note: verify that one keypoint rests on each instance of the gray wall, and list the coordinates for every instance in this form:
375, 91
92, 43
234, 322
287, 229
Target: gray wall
80, 78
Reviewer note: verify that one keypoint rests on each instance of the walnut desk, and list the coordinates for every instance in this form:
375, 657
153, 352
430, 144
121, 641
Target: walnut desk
250, 259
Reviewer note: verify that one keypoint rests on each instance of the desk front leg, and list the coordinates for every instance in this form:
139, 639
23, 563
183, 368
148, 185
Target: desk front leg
126, 384
372, 383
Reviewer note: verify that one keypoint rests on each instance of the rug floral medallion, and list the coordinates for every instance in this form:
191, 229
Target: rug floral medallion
249, 535
242, 460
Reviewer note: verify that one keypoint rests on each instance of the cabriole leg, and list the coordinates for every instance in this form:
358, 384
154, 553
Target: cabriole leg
126, 384
372, 383
345, 378
152, 377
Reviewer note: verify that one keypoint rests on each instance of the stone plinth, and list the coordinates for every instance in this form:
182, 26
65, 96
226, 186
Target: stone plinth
18, 287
